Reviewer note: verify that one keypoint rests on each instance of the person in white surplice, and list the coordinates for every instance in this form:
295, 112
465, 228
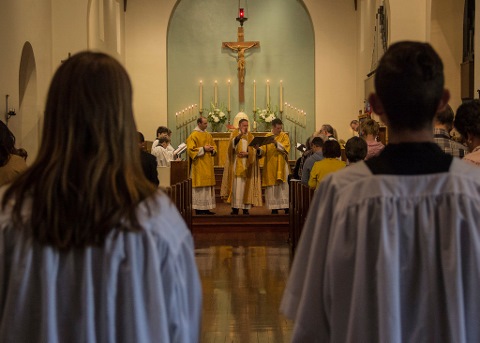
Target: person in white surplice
390, 251
91, 250
241, 182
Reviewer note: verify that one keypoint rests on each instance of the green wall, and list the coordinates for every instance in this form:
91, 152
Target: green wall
195, 35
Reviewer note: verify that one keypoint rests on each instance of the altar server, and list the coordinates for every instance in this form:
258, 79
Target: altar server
201, 150
91, 250
391, 246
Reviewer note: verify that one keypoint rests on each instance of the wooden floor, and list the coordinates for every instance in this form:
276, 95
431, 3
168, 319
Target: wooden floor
243, 277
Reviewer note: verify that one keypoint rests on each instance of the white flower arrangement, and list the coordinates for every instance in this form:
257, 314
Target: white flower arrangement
266, 115
215, 115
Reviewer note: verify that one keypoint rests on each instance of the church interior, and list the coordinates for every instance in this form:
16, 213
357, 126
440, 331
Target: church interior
309, 62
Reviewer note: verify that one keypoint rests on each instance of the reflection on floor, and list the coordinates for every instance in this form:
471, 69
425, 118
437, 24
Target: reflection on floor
243, 277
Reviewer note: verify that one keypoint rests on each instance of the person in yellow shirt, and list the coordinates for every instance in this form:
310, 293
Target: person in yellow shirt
241, 183
329, 164
276, 169
201, 148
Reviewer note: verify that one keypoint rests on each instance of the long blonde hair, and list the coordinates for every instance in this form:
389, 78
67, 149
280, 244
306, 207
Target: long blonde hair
87, 178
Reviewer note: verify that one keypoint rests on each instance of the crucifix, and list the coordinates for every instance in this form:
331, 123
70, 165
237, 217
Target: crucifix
240, 46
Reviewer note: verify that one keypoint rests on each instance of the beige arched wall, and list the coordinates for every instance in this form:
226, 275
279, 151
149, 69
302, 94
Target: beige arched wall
148, 66
446, 36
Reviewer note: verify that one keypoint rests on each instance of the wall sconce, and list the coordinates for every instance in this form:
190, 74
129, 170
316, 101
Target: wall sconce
8, 112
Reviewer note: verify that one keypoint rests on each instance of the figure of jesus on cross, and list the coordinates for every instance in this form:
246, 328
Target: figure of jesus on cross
240, 47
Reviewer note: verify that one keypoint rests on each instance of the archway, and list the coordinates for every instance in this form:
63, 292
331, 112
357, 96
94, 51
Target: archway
26, 125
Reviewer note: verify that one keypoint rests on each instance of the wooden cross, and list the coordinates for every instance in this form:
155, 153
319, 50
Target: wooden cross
240, 46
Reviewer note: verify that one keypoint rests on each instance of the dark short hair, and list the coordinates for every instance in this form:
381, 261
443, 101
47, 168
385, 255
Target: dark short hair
446, 116
141, 137
276, 122
199, 120
331, 149
409, 82
163, 129
241, 121
467, 119
354, 121
356, 149
163, 140
317, 141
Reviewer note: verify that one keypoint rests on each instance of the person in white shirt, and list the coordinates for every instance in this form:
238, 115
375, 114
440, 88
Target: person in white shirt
162, 152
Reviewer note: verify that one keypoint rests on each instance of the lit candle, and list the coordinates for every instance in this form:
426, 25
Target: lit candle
228, 95
176, 118
268, 93
201, 94
281, 96
215, 94
254, 95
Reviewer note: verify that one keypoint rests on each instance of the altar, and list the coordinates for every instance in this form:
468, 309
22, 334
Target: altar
221, 140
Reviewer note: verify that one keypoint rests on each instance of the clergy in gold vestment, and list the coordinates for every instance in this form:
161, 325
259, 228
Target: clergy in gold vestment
241, 184
276, 169
201, 149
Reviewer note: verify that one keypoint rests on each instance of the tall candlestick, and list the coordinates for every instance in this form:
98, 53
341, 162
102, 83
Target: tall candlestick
229, 95
215, 94
201, 94
268, 93
254, 95
281, 96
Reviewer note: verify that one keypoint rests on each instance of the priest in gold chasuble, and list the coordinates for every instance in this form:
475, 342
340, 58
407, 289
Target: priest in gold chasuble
241, 183
201, 149
276, 169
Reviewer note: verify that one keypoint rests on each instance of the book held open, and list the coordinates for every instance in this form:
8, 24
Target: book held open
181, 148
262, 140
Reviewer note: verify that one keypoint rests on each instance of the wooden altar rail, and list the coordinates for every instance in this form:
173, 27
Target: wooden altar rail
181, 195
300, 199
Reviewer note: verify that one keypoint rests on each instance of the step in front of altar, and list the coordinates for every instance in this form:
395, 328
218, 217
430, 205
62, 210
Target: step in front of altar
241, 223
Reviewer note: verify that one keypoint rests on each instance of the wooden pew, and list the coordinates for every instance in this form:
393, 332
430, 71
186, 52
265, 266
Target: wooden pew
300, 199
175, 183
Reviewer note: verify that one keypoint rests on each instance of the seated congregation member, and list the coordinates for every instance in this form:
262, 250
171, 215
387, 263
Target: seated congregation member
354, 127
369, 130
11, 163
329, 132
317, 149
391, 246
309, 152
163, 154
355, 150
241, 182
149, 162
163, 131
297, 170
467, 123
91, 251
329, 164
442, 125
